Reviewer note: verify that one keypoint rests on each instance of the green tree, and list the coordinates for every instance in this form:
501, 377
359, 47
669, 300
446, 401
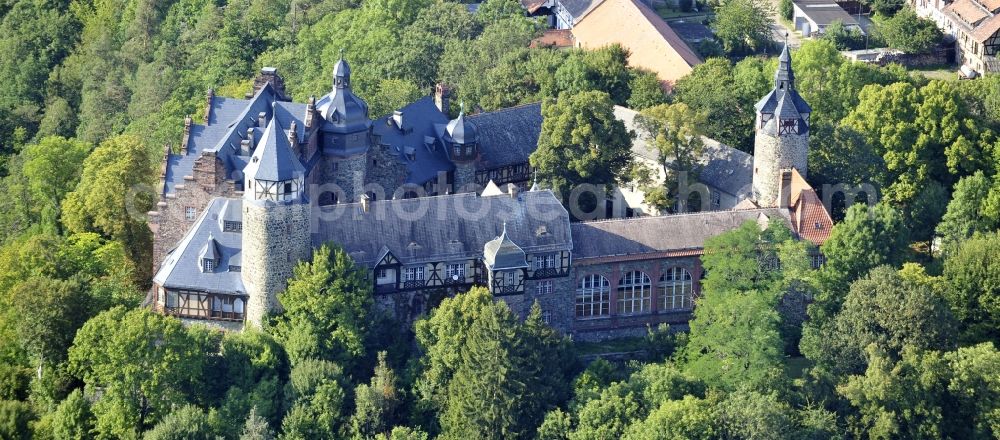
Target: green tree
582, 143
754, 415
725, 95
393, 94
73, 419
185, 423
908, 32
676, 133
974, 207
376, 403
15, 418
52, 169
48, 312
132, 358
743, 26
327, 296
973, 276
608, 416
113, 195
315, 393
688, 418
885, 309
556, 426
735, 340
256, 427
867, 237
645, 90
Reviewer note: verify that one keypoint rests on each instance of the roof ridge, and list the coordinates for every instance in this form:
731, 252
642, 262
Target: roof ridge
682, 214
506, 109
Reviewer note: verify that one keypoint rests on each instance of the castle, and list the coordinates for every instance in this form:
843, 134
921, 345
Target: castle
264, 181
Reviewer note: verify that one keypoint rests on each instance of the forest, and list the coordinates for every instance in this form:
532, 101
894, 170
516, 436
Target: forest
898, 340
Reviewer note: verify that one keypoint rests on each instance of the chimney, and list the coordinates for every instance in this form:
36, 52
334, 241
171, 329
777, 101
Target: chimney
397, 117
365, 202
250, 141
269, 75
208, 105
512, 190
785, 189
310, 110
262, 119
293, 135
441, 95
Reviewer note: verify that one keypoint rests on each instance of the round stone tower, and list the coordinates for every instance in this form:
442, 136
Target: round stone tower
276, 219
782, 134
463, 151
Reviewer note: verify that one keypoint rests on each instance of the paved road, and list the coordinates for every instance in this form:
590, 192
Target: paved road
779, 30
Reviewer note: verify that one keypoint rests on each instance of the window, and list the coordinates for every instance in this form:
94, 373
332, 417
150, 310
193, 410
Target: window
676, 288
508, 278
593, 297
382, 272
235, 268
545, 317
414, 273
190, 304
817, 260
716, 200
231, 226
543, 288
547, 261
288, 188
227, 307
458, 150
207, 265
634, 293
455, 270
189, 213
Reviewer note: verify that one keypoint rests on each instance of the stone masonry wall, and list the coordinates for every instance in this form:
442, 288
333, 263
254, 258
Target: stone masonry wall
170, 221
771, 155
275, 238
384, 171
348, 174
465, 176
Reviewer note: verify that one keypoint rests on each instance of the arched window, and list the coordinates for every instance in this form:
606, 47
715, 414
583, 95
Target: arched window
593, 297
634, 293
676, 288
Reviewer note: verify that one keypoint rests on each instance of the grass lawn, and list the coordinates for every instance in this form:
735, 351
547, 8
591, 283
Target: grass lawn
947, 73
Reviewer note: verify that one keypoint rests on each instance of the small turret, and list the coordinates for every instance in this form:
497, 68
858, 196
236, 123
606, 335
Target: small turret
463, 149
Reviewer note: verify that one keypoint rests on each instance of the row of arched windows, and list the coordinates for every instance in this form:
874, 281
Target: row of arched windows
635, 293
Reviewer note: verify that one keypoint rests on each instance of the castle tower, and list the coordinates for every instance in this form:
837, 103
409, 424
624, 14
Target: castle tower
782, 134
344, 134
276, 217
463, 151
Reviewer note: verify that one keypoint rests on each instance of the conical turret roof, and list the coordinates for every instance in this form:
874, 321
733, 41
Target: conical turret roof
273, 159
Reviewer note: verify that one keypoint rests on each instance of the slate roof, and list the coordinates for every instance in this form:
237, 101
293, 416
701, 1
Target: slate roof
579, 8
273, 158
461, 131
508, 136
203, 137
652, 235
181, 269
723, 167
502, 253
419, 121
448, 227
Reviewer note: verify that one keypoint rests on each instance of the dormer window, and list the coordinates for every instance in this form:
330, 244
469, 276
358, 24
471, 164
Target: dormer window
207, 265
458, 150
231, 226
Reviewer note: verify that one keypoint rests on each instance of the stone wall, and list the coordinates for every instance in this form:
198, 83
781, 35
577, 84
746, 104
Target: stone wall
617, 324
465, 176
771, 155
347, 173
275, 238
170, 222
384, 171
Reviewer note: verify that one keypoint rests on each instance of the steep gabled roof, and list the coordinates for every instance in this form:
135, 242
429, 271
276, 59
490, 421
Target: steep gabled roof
181, 269
273, 158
